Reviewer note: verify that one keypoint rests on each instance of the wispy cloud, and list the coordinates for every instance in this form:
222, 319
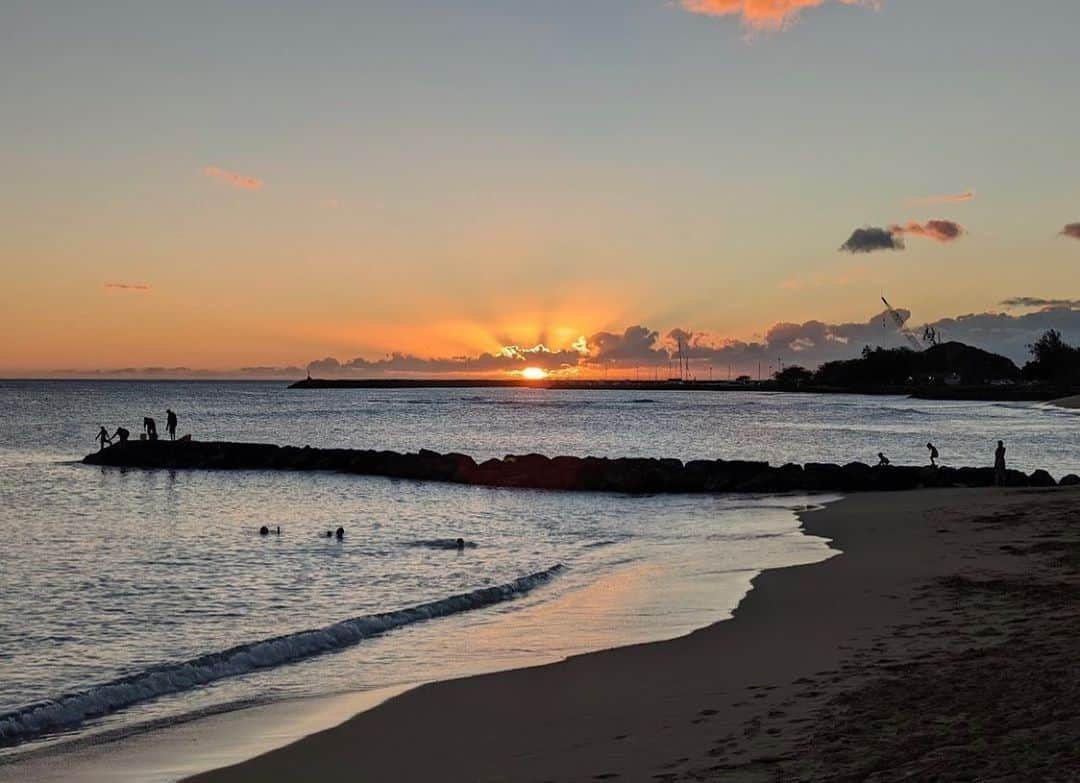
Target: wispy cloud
763, 14
1071, 230
242, 181
947, 198
128, 286
1038, 301
936, 230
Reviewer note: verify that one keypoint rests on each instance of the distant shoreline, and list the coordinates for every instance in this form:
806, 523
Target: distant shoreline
983, 393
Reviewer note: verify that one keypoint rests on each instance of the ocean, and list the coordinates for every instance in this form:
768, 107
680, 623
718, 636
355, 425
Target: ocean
135, 600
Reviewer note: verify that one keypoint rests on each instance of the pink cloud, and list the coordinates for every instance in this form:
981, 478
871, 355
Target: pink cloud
762, 14
936, 230
949, 198
242, 181
128, 286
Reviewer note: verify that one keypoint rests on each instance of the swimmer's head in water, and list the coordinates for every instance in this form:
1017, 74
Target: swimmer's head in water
461, 543
264, 530
340, 532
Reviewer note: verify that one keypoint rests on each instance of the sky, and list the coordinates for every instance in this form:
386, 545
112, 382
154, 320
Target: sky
432, 187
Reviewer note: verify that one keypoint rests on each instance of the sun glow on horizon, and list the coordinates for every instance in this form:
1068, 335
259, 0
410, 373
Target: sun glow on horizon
534, 374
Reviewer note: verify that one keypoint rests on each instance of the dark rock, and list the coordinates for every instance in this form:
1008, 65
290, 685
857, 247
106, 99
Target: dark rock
975, 477
821, 477
1071, 480
1016, 478
1040, 478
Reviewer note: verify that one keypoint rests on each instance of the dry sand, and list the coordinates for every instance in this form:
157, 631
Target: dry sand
942, 645
1068, 402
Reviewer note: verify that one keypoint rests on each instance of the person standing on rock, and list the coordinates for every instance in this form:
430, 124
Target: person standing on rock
103, 437
170, 423
999, 465
933, 454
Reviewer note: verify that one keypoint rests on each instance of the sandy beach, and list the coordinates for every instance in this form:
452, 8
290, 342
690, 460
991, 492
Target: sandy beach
939, 645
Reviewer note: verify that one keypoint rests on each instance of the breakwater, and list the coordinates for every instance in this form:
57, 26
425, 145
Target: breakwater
581, 474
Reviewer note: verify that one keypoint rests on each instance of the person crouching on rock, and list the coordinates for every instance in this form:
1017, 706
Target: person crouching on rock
122, 434
882, 460
150, 426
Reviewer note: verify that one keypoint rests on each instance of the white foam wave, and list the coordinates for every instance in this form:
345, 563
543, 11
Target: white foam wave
72, 709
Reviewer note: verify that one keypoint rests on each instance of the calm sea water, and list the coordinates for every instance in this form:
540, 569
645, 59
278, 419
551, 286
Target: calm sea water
131, 598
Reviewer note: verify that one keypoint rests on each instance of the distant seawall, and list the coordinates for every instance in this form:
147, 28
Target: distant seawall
580, 474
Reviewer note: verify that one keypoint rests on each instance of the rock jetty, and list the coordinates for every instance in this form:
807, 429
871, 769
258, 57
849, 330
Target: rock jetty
535, 471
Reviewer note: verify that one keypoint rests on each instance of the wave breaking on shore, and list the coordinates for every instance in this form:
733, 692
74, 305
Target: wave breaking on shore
72, 709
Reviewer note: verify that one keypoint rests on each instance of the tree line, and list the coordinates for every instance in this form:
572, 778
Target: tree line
1053, 363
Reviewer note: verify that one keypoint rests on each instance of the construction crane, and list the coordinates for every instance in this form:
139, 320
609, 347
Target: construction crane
913, 341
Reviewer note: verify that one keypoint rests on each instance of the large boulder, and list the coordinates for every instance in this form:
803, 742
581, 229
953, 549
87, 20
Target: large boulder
857, 477
1071, 480
975, 477
1016, 478
822, 477
1040, 478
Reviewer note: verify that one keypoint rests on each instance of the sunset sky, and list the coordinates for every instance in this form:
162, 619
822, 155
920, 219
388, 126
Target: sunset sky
225, 185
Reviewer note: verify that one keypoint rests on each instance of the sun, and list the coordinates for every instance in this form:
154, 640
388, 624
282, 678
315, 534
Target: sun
534, 374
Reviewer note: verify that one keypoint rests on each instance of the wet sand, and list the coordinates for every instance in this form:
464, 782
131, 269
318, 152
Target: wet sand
1072, 403
940, 645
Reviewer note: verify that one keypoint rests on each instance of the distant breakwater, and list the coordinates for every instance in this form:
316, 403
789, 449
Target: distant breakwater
580, 474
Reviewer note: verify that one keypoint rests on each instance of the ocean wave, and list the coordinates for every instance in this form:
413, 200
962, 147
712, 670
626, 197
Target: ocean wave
72, 709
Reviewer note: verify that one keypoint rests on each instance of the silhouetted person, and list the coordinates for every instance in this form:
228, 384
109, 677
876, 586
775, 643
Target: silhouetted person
103, 437
340, 533
329, 534
999, 464
264, 531
882, 460
460, 543
150, 427
933, 454
122, 434
170, 423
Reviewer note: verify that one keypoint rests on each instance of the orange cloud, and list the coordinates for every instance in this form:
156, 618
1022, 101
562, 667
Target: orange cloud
937, 230
232, 178
950, 198
762, 14
128, 286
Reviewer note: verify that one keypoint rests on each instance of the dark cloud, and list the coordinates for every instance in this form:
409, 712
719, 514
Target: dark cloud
1071, 230
870, 238
1035, 301
637, 344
